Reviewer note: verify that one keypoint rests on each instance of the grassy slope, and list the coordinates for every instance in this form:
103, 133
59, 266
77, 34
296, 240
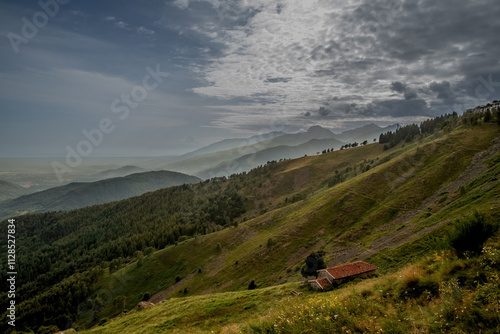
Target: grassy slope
439, 293
346, 220
200, 314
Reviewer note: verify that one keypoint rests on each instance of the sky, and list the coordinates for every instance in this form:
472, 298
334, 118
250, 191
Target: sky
144, 78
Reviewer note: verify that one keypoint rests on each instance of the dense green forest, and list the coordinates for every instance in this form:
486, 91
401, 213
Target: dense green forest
61, 255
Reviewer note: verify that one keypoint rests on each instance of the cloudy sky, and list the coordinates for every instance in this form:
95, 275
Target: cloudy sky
235, 68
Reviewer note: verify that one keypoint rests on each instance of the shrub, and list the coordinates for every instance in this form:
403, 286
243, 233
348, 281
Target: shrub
252, 286
48, 329
183, 238
270, 242
470, 234
411, 275
119, 302
313, 263
414, 283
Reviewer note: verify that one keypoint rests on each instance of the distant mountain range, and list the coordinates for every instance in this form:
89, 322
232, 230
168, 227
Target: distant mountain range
81, 194
249, 161
222, 158
118, 172
237, 155
10, 190
227, 144
367, 132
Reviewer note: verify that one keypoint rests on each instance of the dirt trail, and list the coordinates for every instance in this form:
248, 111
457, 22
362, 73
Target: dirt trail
162, 295
407, 233
393, 239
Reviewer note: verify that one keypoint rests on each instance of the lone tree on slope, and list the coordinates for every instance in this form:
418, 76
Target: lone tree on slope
313, 263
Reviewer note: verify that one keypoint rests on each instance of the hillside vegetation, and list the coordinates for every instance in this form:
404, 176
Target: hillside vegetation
198, 247
440, 293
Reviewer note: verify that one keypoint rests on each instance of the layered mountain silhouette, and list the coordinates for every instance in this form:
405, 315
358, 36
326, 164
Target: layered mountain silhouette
118, 172
10, 190
238, 155
81, 194
222, 158
367, 132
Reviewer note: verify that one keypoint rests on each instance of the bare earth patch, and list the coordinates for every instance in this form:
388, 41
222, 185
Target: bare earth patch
162, 295
407, 233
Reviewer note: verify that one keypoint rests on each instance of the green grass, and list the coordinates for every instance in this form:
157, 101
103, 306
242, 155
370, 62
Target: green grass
352, 215
201, 314
438, 293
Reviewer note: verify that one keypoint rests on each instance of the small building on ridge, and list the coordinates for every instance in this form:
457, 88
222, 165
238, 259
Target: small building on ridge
339, 274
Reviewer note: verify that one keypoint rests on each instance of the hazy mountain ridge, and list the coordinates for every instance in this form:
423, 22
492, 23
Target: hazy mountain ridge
249, 161
367, 132
198, 163
10, 190
117, 172
246, 157
81, 194
226, 144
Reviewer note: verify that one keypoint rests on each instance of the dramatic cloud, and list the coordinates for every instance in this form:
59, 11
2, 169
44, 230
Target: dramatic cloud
443, 90
398, 87
409, 93
240, 67
324, 111
352, 48
398, 108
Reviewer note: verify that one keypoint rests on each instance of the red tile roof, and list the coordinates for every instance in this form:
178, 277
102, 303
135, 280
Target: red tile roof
322, 282
350, 269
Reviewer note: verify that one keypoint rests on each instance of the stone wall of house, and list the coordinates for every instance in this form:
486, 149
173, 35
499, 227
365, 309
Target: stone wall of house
324, 274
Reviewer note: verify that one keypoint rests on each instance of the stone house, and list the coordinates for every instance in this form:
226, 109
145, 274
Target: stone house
336, 275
